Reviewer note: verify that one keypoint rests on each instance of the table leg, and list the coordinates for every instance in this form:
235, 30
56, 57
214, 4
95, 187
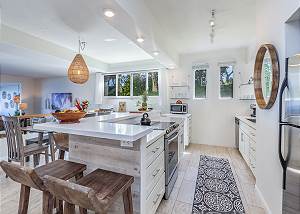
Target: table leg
51, 144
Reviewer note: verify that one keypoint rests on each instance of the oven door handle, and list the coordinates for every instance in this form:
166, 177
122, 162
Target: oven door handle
173, 138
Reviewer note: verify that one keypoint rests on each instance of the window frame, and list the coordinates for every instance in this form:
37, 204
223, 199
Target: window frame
195, 68
131, 83
219, 73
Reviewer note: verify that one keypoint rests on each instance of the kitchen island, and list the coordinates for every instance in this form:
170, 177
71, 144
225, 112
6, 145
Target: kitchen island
101, 142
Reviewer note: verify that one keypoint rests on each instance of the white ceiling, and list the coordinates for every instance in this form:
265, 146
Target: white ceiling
61, 22
187, 23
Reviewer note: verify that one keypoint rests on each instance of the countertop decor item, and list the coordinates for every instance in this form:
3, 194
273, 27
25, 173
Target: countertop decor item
82, 106
145, 120
266, 76
143, 106
78, 71
122, 106
69, 116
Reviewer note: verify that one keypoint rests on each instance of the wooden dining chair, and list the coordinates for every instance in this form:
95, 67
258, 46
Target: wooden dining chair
95, 191
15, 144
61, 141
33, 178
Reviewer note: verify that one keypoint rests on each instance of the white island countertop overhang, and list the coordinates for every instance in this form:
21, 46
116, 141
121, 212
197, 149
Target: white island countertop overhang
100, 127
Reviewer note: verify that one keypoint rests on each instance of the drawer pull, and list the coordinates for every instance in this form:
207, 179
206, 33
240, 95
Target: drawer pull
155, 201
156, 149
156, 172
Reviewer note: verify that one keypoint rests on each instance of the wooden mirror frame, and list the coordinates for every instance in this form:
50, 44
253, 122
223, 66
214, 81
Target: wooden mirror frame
261, 102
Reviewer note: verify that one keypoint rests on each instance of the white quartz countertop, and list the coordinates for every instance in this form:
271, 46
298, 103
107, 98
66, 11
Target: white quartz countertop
101, 127
154, 135
248, 122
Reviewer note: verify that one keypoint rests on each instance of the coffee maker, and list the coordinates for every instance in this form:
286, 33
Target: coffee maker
253, 108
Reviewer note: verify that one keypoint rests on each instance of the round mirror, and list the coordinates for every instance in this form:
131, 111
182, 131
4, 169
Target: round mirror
266, 76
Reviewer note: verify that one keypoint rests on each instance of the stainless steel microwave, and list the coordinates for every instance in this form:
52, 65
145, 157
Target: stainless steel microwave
179, 108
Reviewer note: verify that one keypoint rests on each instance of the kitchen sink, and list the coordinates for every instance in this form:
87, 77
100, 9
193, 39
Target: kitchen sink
253, 120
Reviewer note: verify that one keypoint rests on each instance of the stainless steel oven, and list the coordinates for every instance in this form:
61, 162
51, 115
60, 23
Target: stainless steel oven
171, 159
179, 108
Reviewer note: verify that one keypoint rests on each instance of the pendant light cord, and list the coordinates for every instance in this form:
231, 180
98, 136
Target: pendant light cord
81, 46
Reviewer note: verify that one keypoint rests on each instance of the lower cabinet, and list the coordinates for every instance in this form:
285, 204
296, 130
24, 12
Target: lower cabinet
247, 145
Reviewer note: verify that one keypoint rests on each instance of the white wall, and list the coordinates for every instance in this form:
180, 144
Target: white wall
213, 118
30, 90
270, 28
64, 85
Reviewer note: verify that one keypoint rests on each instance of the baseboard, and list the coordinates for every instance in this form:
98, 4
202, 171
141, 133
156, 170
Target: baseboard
266, 206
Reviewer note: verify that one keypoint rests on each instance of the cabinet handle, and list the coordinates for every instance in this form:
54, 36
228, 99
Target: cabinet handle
156, 149
155, 201
156, 172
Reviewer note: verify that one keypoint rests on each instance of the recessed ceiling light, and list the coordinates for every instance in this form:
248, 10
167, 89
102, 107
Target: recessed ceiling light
155, 53
109, 13
109, 40
140, 40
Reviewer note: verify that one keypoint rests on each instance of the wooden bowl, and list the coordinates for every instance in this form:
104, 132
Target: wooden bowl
69, 117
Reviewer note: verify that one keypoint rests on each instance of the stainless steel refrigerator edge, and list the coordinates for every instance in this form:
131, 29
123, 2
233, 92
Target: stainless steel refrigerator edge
289, 135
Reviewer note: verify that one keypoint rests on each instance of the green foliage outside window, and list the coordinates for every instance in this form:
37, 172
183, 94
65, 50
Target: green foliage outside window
200, 83
124, 85
153, 84
226, 81
139, 83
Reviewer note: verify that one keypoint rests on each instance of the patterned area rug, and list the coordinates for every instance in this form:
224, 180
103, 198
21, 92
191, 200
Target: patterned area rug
216, 191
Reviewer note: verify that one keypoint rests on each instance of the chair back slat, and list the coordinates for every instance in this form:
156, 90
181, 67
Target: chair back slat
72, 193
23, 175
14, 138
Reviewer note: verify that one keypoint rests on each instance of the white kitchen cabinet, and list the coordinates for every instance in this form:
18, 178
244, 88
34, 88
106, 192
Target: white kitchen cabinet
247, 145
181, 141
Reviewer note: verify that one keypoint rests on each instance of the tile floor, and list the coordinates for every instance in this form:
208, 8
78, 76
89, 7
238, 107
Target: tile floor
181, 199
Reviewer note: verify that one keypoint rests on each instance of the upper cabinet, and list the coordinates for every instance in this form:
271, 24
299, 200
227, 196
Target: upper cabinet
178, 85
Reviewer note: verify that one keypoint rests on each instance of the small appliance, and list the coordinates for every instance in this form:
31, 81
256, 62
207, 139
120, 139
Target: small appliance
180, 108
253, 108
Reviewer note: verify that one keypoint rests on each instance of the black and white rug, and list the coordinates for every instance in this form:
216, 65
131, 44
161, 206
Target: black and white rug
216, 191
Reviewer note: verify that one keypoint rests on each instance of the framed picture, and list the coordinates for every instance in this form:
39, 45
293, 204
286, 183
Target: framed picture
8, 92
61, 101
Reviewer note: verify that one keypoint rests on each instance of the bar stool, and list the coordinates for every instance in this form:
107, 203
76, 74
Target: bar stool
61, 141
96, 191
32, 178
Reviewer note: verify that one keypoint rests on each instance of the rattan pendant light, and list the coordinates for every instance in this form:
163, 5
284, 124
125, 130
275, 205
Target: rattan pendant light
78, 71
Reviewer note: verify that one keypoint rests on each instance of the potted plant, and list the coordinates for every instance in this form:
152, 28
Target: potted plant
143, 105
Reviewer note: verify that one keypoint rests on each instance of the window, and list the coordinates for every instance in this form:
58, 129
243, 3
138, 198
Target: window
124, 85
200, 83
110, 85
131, 84
226, 81
139, 83
153, 84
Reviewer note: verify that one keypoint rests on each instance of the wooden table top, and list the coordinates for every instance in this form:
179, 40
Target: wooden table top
30, 116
